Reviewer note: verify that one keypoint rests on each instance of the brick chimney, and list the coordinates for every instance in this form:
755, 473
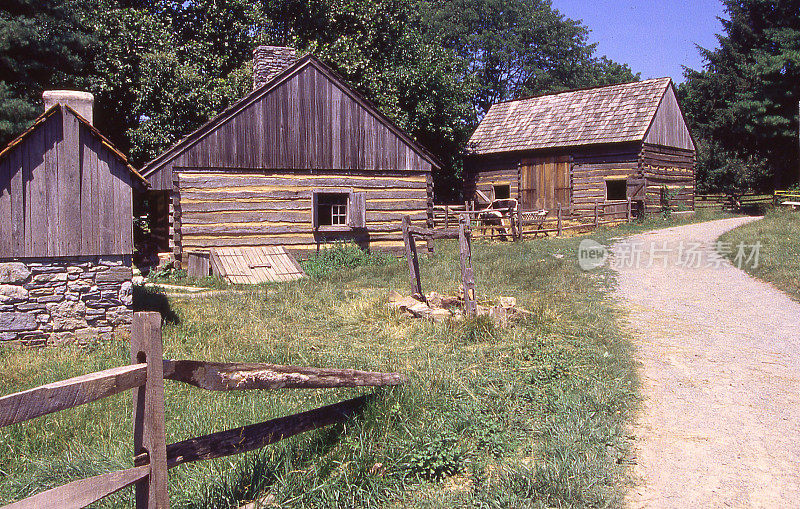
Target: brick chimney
82, 102
269, 61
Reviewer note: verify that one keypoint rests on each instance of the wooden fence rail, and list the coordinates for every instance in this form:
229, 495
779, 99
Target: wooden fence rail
152, 455
517, 224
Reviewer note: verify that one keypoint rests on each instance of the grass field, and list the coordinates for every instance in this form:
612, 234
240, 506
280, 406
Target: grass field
530, 416
779, 254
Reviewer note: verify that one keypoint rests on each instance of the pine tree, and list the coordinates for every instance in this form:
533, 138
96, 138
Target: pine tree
743, 106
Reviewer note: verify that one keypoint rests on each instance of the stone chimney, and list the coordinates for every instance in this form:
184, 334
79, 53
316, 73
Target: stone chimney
269, 61
82, 102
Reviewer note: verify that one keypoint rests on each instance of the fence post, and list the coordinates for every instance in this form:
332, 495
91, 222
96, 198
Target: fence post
628, 209
467, 277
558, 227
596, 209
148, 410
446, 217
413, 260
512, 218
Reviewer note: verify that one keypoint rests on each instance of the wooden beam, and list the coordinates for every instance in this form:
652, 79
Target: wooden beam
220, 376
412, 257
148, 410
78, 494
256, 436
468, 280
73, 392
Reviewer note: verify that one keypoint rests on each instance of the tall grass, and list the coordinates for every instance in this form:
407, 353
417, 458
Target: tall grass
779, 252
528, 416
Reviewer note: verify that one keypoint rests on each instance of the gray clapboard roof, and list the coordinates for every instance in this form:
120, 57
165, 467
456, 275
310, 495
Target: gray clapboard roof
608, 114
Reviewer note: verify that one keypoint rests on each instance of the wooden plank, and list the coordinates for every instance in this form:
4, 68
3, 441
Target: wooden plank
18, 204
148, 410
69, 187
6, 228
465, 257
54, 132
256, 436
73, 392
234, 376
81, 493
413, 259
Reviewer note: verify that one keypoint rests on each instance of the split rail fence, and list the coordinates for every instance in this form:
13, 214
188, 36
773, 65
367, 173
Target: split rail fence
153, 456
732, 202
518, 224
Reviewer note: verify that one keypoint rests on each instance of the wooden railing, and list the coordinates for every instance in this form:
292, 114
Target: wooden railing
779, 197
733, 202
153, 456
518, 224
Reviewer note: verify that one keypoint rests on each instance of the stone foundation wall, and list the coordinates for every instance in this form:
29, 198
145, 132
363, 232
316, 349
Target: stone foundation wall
64, 300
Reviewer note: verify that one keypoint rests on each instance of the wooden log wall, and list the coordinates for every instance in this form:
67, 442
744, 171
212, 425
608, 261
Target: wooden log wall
484, 174
591, 168
64, 193
243, 208
668, 166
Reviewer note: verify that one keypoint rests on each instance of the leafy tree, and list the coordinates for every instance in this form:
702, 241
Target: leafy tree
518, 47
379, 49
743, 105
43, 44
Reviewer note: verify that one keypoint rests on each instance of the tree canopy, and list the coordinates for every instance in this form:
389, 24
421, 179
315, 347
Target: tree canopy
743, 105
160, 68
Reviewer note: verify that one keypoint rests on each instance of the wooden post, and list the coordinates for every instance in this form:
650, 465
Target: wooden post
628, 209
520, 227
465, 248
446, 217
411, 256
558, 227
512, 218
148, 411
596, 210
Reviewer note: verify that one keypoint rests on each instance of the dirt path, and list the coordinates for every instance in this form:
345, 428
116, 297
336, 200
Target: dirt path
720, 366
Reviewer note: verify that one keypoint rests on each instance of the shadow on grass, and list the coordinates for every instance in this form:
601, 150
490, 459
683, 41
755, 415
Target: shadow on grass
257, 473
145, 299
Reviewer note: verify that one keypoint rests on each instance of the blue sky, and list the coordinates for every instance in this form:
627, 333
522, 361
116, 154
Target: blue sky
654, 38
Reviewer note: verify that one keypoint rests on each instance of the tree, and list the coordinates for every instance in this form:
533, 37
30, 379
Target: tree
379, 49
518, 47
43, 44
743, 105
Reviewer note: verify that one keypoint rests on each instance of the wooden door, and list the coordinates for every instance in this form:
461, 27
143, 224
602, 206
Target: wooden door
545, 182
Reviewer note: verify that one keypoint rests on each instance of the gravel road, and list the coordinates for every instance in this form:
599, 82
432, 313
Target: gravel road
720, 369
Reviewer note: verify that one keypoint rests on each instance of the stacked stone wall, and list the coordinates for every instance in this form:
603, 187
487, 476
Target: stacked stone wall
65, 300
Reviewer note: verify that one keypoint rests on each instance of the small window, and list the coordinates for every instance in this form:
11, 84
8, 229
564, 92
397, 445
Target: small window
502, 192
616, 190
332, 209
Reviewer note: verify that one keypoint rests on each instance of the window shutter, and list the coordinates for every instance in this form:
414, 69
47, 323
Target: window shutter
315, 209
358, 210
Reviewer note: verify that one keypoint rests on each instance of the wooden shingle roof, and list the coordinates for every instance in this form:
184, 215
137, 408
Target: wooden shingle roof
609, 114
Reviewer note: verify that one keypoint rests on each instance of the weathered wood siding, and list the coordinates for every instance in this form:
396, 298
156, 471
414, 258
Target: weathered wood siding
243, 208
592, 167
63, 193
485, 173
545, 181
671, 167
309, 121
668, 127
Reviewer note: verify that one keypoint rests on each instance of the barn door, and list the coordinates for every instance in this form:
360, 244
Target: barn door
545, 182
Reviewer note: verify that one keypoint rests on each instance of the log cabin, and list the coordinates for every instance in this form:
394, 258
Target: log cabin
575, 148
66, 229
302, 161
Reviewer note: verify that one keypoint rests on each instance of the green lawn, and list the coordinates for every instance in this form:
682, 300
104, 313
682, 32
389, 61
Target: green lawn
530, 416
779, 253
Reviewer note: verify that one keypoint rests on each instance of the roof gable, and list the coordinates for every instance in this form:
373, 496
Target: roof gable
306, 113
668, 127
609, 114
106, 144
